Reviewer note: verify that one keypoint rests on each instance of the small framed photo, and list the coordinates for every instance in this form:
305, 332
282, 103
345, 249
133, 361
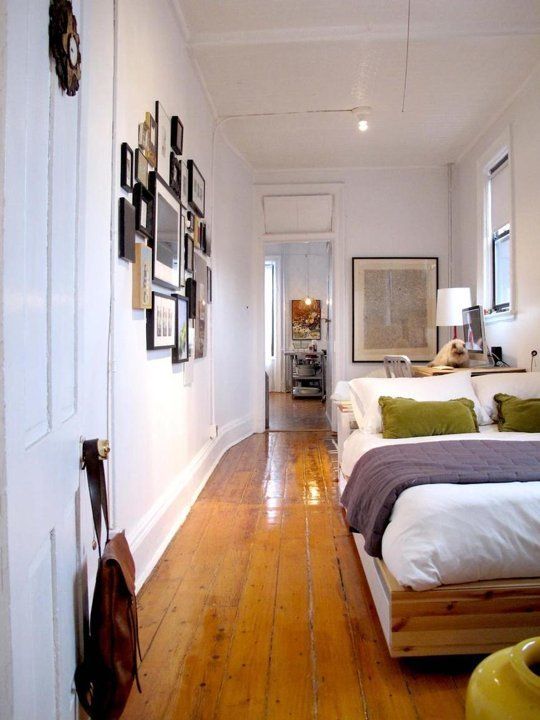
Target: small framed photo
197, 231
189, 253
148, 139
175, 175
180, 352
144, 210
141, 292
141, 168
161, 322
168, 261
184, 184
190, 223
163, 140
126, 167
191, 294
177, 135
208, 285
126, 230
196, 188
202, 236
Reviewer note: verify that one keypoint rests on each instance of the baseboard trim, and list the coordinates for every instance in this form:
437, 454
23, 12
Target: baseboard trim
155, 530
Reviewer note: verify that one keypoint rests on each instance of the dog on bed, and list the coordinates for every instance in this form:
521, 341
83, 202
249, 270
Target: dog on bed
453, 354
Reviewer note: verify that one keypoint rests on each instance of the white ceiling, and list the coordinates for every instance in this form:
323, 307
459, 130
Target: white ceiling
467, 59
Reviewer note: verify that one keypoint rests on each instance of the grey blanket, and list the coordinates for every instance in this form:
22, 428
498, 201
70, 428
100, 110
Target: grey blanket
381, 475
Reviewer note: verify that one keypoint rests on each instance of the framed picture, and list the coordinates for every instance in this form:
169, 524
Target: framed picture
306, 320
208, 285
144, 210
163, 140
196, 231
161, 322
201, 326
196, 188
184, 184
191, 294
202, 236
141, 287
126, 230
394, 308
148, 139
175, 175
180, 352
190, 222
189, 253
126, 167
141, 168
167, 256
177, 135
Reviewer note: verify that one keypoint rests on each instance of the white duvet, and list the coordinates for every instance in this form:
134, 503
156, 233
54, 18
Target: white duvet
443, 534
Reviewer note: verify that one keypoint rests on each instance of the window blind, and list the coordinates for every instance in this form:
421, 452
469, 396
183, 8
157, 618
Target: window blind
500, 195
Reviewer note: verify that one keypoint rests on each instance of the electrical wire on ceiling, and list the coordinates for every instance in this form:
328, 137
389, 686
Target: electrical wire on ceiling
406, 57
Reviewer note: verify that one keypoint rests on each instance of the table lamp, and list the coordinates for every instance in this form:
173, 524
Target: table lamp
450, 303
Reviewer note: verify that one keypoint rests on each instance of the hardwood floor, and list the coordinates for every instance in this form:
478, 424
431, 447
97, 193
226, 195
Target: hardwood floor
259, 608
288, 413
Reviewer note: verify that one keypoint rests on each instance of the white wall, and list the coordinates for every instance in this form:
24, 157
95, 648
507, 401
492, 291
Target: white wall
162, 451
392, 212
521, 119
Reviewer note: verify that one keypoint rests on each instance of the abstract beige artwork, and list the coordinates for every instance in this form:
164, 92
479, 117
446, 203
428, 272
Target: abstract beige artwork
394, 306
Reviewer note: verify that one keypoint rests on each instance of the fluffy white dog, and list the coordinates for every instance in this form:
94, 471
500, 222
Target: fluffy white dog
453, 354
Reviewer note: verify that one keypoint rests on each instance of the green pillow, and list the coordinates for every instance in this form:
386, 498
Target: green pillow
516, 415
404, 417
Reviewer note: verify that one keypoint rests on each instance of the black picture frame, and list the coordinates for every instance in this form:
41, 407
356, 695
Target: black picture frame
196, 188
202, 235
161, 322
184, 182
208, 285
168, 262
126, 230
144, 210
175, 176
190, 222
191, 294
142, 167
189, 253
180, 351
126, 167
177, 135
428, 266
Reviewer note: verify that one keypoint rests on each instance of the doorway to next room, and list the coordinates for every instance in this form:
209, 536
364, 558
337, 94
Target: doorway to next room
297, 329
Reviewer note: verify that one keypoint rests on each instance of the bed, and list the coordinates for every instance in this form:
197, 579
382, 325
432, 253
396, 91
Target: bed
460, 566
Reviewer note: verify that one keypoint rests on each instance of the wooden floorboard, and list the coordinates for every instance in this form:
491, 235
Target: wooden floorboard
259, 608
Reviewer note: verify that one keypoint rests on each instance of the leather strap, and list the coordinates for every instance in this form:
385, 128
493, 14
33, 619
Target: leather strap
97, 487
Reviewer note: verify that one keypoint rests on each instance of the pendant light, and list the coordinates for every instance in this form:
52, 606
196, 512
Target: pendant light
307, 299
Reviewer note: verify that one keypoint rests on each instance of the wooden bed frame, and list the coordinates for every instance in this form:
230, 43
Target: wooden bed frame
469, 618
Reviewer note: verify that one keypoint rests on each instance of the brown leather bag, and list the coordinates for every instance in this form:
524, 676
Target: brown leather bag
105, 677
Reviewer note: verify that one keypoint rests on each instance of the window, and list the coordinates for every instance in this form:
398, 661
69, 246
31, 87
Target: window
269, 310
499, 237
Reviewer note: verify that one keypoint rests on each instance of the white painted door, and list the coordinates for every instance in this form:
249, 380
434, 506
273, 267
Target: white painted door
41, 367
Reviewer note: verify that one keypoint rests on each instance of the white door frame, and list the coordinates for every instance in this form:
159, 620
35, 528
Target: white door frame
337, 238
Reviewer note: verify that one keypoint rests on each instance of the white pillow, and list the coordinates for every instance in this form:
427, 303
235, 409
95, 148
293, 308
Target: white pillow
367, 391
522, 385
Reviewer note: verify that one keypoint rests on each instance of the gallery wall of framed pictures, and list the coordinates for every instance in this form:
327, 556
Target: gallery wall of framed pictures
162, 232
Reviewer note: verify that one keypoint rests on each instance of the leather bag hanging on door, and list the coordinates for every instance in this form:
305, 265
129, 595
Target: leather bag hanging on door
105, 677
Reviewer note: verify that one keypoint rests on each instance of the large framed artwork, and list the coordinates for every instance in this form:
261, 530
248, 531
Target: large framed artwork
168, 251
306, 320
394, 307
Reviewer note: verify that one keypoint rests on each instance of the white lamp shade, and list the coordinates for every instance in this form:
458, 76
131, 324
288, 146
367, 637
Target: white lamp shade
450, 303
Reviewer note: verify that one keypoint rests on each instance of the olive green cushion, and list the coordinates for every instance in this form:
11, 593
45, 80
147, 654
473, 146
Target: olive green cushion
516, 415
404, 417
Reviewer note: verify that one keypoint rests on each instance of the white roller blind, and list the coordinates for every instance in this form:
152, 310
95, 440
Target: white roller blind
500, 197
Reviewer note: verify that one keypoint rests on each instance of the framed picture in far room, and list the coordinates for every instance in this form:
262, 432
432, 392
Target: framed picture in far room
191, 294
394, 308
180, 351
141, 168
189, 253
177, 135
163, 140
175, 175
126, 167
144, 210
196, 188
184, 183
161, 322
168, 261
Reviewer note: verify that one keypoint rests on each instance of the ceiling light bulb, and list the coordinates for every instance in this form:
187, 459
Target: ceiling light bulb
307, 301
363, 125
